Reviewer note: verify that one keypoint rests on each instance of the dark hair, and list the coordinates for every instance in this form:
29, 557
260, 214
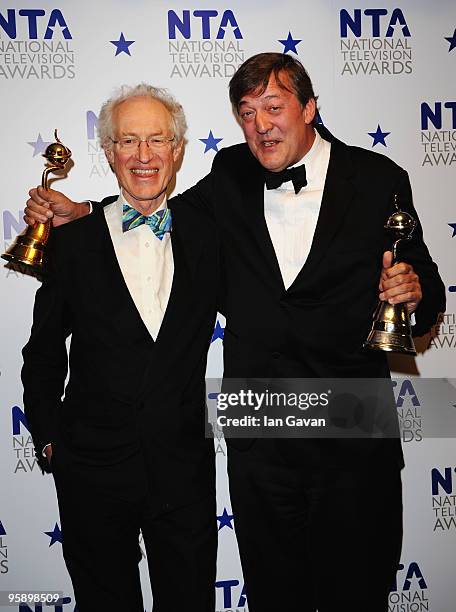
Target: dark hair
254, 74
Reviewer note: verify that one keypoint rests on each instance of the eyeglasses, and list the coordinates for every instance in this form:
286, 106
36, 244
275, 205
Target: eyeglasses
132, 143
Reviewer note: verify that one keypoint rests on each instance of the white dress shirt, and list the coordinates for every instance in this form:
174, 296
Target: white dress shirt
146, 263
291, 218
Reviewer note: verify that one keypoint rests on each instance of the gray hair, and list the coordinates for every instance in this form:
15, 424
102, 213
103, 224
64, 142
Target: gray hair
125, 92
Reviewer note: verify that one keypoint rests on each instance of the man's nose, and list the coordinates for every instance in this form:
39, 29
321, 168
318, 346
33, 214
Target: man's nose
262, 122
144, 153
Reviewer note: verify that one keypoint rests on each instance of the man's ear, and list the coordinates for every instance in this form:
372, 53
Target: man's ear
309, 111
177, 151
109, 154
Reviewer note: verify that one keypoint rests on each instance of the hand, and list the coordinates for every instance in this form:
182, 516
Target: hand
48, 452
45, 204
399, 283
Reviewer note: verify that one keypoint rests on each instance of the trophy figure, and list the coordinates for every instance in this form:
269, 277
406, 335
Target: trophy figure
391, 329
29, 247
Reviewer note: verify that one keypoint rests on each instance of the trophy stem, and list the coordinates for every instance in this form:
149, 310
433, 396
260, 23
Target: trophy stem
394, 251
44, 177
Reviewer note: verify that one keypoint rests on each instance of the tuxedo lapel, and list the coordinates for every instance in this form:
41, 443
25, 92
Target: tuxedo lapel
187, 248
252, 202
103, 263
338, 193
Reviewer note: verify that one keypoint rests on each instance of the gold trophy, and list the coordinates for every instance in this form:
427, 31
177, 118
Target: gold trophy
391, 329
28, 251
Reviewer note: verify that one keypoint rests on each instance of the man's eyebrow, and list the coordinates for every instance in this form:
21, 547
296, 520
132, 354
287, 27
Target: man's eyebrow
135, 134
270, 97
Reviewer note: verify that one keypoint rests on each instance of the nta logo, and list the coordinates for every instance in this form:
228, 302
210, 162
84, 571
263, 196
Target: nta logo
409, 411
198, 47
442, 481
435, 115
12, 225
23, 450
99, 166
227, 587
18, 418
438, 133
374, 18
375, 42
409, 592
406, 390
443, 499
204, 21
92, 124
38, 45
413, 575
32, 17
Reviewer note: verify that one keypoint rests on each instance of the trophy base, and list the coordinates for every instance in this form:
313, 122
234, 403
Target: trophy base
27, 251
391, 330
391, 342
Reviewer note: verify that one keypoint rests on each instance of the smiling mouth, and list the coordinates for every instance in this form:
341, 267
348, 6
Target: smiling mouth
269, 143
144, 171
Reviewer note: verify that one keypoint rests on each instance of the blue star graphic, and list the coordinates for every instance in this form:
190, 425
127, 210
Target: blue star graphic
290, 43
453, 226
55, 535
122, 45
211, 142
225, 520
218, 332
39, 146
2, 529
379, 136
452, 41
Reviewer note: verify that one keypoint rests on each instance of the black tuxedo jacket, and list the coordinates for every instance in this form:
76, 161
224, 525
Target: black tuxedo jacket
126, 393
317, 327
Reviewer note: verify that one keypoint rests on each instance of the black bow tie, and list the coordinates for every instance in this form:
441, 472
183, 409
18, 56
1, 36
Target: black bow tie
296, 175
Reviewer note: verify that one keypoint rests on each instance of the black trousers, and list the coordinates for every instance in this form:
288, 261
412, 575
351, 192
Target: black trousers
314, 538
102, 512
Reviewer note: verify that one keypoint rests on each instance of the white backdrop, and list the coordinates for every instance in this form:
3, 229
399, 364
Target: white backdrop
385, 79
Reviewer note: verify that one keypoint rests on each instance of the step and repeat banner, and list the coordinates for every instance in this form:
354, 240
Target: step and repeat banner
385, 77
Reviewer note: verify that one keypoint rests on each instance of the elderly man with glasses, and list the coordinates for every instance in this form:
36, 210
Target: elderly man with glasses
126, 445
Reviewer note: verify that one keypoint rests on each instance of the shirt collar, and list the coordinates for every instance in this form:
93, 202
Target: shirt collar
311, 154
311, 160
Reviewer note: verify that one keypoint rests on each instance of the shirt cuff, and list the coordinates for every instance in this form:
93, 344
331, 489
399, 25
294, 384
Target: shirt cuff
412, 319
90, 205
44, 448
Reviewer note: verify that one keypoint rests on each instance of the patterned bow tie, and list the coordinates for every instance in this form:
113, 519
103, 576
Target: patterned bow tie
159, 222
296, 175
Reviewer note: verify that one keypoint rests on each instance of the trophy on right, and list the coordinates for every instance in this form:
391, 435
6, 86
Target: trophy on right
391, 330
